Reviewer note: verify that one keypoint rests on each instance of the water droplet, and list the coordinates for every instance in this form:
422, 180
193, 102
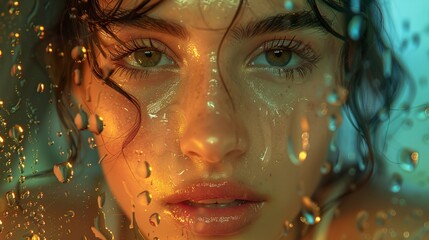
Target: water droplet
25, 194
287, 227
77, 76
40, 31
292, 155
383, 114
356, 27
416, 39
381, 218
387, 63
1, 226
326, 168
144, 198
408, 160
92, 143
40, 88
355, 6
49, 49
63, 172
81, 120
16, 133
362, 220
333, 122
13, 7
395, 183
1, 144
310, 212
95, 124
101, 199
337, 96
144, 169
423, 113
79, 54
69, 214
21, 179
154, 219
10, 198
40, 195
289, 5
16, 71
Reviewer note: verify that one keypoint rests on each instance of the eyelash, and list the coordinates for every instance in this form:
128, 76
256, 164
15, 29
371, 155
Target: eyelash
304, 51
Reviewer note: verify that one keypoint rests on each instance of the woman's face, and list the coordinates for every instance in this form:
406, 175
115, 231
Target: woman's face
232, 136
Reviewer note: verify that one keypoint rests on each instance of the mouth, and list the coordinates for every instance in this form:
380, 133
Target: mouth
215, 208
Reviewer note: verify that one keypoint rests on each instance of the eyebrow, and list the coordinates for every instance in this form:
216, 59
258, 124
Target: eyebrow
278, 23
157, 25
271, 24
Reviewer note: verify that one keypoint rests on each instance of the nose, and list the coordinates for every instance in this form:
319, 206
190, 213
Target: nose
213, 130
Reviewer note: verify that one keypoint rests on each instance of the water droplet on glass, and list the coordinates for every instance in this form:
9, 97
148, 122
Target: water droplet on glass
380, 218
1, 226
287, 227
95, 124
101, 199
69, 214
25, 194
144, 169
40, 195
92, 143
326, 168
16, 133
144, 198
1, 144
356, 27
333, 122
49, 49
40, 31
362, 220
387, 63
81, 120
16, 71
423, 113
408, 160
10, 198
416, 39
79, 54
289, 5
310, 212
154, 219
77, 76
13, 7
337, 96
395, 183
40, 88
63, 172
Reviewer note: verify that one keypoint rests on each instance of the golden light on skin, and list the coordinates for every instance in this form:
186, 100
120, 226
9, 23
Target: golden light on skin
302, 155
193, 51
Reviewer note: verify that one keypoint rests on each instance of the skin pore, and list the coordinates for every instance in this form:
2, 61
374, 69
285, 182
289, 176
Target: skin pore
250, 116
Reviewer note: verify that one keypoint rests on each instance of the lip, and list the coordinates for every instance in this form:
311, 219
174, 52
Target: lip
239, 206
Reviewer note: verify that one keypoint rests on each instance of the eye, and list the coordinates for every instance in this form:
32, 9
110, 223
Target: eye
147, 58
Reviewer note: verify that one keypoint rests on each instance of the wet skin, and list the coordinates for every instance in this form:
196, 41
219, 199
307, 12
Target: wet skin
219, 124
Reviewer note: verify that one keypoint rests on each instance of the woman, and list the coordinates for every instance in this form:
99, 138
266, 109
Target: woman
213, 120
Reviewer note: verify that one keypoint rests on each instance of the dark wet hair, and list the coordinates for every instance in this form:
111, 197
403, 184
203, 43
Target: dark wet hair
364, 76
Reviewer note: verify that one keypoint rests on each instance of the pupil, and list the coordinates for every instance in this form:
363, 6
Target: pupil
148, 54
278, 53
